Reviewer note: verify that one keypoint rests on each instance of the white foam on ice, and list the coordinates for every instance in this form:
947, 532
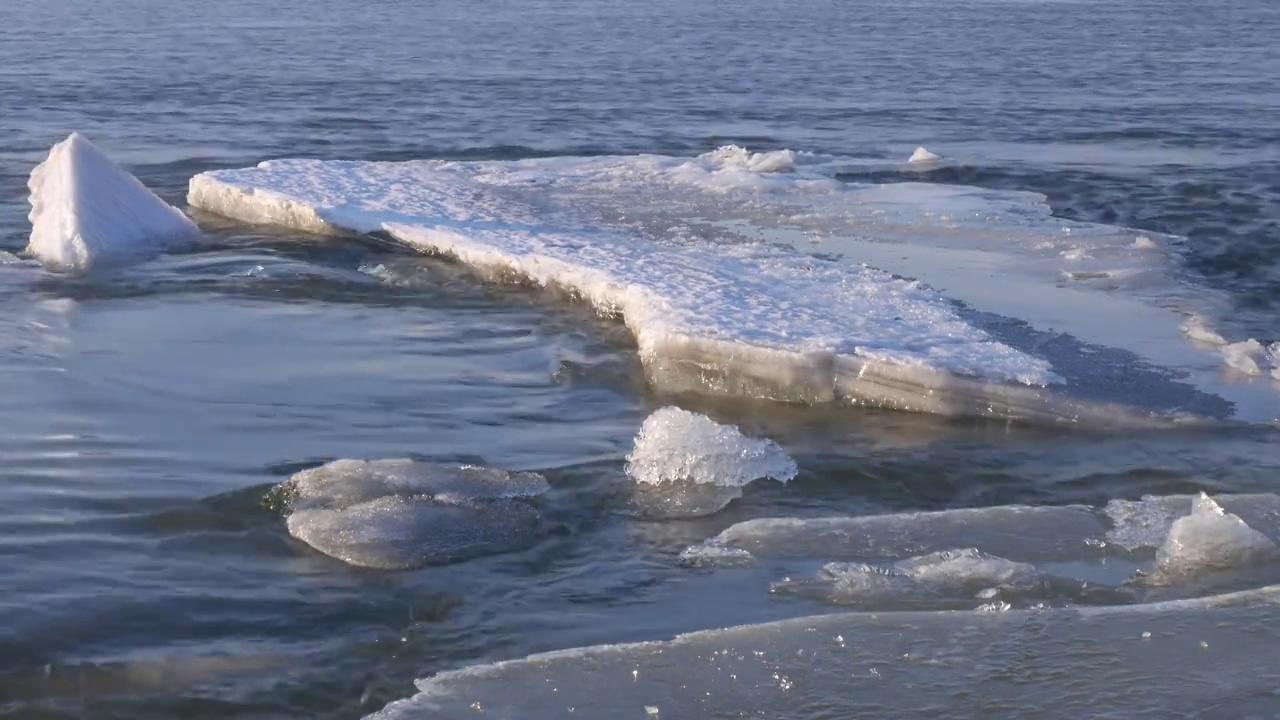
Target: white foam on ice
921, 155
676, 445
1210, 538
398, 514
1198, 656
86, 210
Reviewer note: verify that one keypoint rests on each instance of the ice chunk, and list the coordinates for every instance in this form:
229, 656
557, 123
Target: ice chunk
922, 155
685, 464
678, 445
741, 318
1142, 242
1210, 538
1244, 356
1010, 664
1146, 523
962, 572
1195, 328
398, 514
86, 210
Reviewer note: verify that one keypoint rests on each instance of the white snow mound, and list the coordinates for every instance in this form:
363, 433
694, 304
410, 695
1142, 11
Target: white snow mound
86, 210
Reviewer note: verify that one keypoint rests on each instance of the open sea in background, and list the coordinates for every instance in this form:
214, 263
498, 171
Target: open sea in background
147, 411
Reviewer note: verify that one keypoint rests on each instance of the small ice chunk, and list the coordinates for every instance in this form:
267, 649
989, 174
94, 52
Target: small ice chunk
1210, 538
1243, 356
85, 209
1142, 242
922, 155
687, 465
399, 514
1195, 328
678, 445
715, 554
967, 571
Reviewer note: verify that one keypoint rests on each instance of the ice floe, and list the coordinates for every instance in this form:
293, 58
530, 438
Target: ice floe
685, 464
399, 514
1204, 656
742, 273
1023, 555
86, 210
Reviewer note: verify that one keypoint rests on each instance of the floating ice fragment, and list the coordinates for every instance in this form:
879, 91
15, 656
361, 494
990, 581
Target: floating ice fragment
685, 464
1243, 356
678, 445
1210, 538
922, 155
398, 514
1195, 328
964, 572
1142, 242
86, 210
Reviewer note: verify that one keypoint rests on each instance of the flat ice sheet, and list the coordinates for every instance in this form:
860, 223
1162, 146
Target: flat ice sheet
665, 243
1212, 657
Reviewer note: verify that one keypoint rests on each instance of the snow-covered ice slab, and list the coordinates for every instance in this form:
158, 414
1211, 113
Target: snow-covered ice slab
399, 514
86, 210
1210, 657
655, 240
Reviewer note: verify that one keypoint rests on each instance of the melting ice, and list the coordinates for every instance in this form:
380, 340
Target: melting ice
398, 514
86, 210
685, 464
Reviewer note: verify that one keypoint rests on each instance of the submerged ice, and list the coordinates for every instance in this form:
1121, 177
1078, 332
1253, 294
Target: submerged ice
399, 514
86, 210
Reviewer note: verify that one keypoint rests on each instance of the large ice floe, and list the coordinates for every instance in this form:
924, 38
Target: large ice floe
742, 273
685, 464
399, 514
1208, 657
86, 210
1006, 556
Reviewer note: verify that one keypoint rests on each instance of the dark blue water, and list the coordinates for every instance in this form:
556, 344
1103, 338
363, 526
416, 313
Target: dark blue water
148, 410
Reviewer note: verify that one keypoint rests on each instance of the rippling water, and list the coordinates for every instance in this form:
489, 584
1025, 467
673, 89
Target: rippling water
151, 408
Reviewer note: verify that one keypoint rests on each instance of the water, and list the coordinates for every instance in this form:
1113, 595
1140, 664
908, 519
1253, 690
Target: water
150, 409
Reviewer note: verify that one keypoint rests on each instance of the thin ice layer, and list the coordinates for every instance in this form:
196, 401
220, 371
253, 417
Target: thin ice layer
399, 514
86, 210
791, 324
1203, 658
